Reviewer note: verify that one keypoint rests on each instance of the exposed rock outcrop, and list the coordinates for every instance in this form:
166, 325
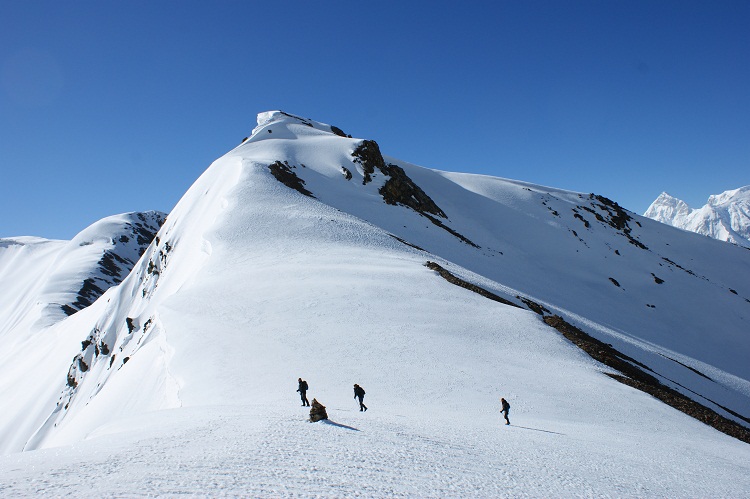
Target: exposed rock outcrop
400, 189
368, 155
284, 174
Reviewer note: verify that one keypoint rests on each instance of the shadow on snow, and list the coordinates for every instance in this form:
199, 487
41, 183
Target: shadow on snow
537, 429
333, 423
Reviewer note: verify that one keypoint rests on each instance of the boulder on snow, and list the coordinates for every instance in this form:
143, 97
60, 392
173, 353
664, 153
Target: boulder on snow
317, 411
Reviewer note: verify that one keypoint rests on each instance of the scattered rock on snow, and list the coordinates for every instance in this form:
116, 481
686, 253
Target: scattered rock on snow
284, 174
317, 411
657, 280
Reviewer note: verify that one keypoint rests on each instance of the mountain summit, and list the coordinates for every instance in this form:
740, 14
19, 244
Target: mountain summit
305, 252
725, 216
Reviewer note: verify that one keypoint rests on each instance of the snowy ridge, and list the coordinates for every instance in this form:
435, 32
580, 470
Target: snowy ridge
129, 323
43, 283
303, 252
49, 280
726, 216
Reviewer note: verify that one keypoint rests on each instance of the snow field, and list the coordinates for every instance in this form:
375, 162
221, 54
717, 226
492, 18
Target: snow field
252, 451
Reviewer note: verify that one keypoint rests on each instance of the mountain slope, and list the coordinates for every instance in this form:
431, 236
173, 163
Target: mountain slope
49, 280
726, 216
303, 253
655, 294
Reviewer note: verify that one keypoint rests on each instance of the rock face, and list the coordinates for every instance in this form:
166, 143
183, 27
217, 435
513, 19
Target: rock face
317, 411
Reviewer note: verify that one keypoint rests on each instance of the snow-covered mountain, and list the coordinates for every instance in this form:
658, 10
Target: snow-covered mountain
305, 252
726, 216
46, 280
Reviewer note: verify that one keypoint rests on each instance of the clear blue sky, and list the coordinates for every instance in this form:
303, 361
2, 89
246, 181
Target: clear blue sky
112, 106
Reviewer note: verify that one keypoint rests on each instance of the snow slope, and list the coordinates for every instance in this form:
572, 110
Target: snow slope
184, 382
48, 280
726, 216
45, 281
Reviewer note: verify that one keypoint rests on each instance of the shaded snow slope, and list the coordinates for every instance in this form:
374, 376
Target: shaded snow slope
302, 253
726, 216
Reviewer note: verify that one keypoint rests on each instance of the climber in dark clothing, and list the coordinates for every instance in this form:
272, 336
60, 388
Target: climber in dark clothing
359, 393
505, 410
302, 392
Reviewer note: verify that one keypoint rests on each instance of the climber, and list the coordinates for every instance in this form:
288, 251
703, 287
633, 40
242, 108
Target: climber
302, 392
359, 393
505, 410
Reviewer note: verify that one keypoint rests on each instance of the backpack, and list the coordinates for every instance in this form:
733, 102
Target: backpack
303, 386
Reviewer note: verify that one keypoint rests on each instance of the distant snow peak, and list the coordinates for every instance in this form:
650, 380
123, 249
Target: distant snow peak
667, 207
725, 216
731, 196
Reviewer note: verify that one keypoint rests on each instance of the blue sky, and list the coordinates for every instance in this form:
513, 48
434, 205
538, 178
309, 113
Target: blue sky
111, 106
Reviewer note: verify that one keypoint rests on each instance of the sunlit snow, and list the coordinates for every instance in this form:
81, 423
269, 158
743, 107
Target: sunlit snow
250, 285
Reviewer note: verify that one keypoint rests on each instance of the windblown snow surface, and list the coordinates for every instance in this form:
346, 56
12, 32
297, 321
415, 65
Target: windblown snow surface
725, 216
181, 380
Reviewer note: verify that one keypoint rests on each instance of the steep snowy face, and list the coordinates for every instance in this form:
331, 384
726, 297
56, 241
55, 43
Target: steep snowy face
726, 216
122, 239
48, 280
